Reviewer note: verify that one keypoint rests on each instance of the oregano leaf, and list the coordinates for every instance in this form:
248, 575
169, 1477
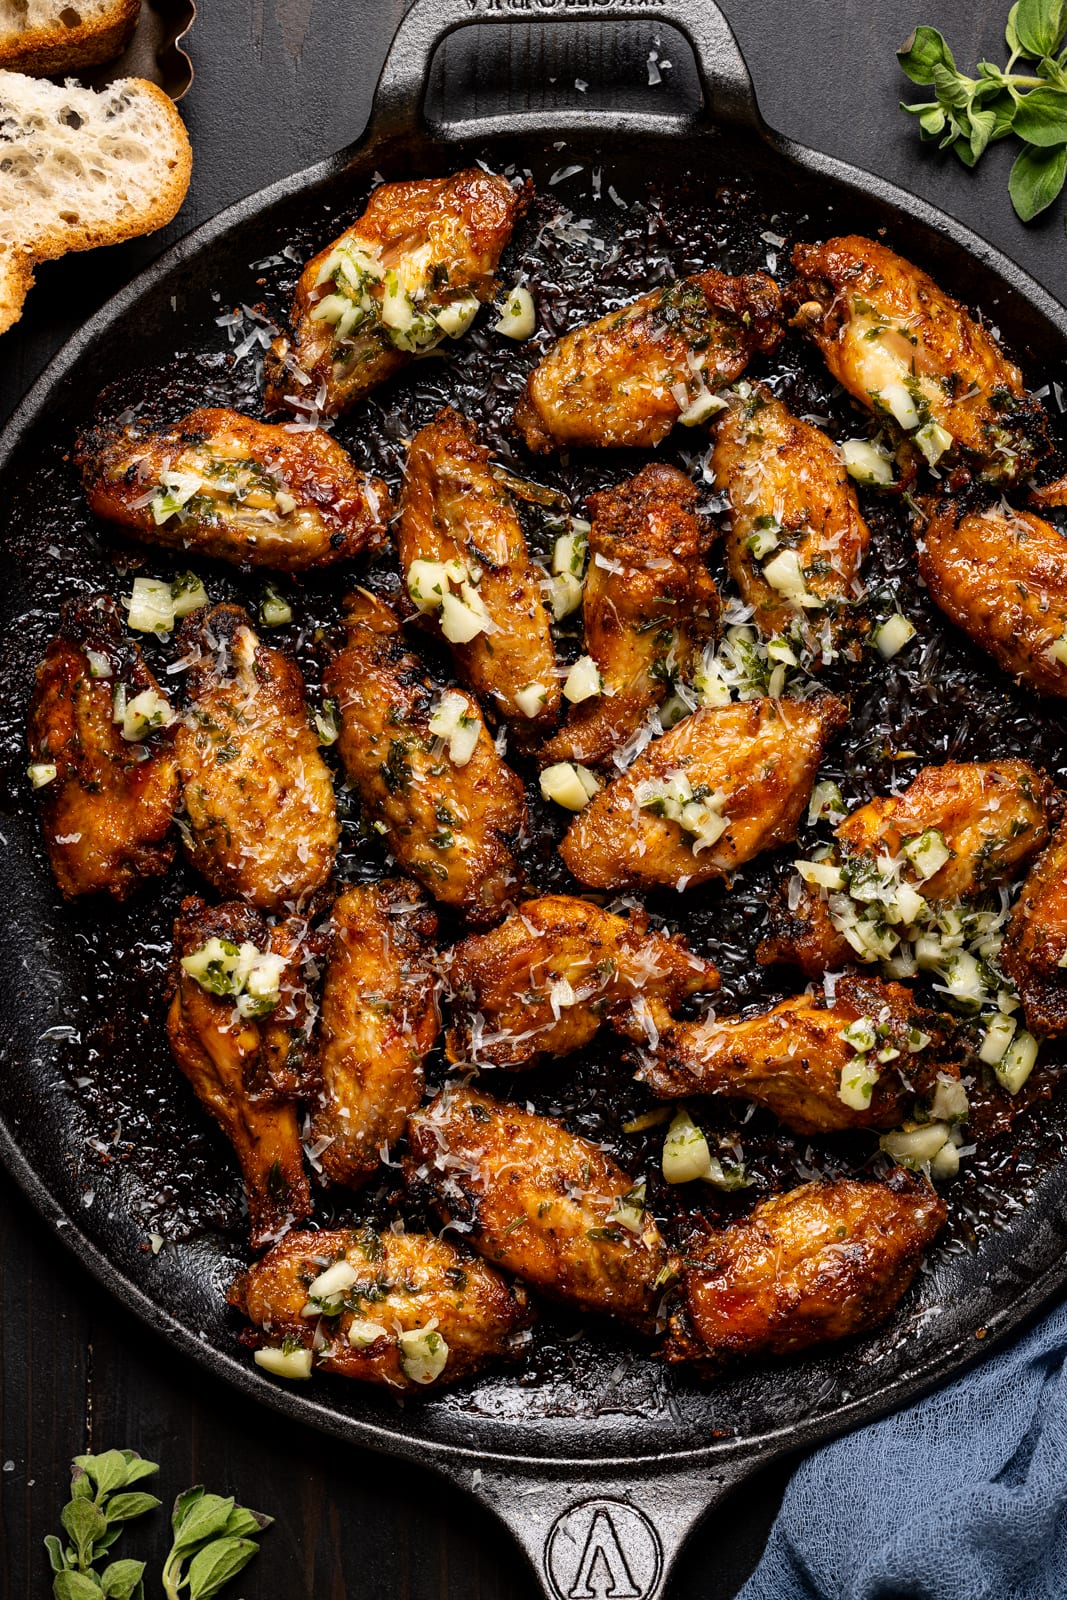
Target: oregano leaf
922, 53
75, 1586
216, 1564
1036, 179
123, 1507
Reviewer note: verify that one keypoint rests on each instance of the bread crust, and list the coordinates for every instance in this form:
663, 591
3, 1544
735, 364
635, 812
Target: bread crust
54, 47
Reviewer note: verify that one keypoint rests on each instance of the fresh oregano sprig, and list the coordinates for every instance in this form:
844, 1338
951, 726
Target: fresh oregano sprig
214, 1540
970, 114
100, 1505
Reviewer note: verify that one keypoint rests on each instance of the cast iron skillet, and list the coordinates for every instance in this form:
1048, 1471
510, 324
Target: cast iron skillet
601, 1463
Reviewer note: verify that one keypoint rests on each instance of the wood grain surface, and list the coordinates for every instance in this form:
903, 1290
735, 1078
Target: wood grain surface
280, 83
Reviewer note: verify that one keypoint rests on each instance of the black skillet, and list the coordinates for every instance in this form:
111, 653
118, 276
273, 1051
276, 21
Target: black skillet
601, 1464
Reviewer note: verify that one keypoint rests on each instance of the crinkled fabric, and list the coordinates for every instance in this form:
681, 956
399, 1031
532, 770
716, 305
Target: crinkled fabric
961, 1497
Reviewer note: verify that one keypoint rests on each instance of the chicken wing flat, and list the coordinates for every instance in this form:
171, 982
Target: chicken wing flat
792, 1058
452, 823
238, 1027
650, 606
629, 377
402, 1309
108, 788
410, 272
543, 982
913, 355
726, 783
222, 485
453, 510
541, 1202
1034, 952
1001, 576
378, 1021
259, 801
825, 1261
796, 538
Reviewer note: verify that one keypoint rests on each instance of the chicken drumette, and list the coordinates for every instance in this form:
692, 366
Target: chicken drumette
222, 485
102, 757
629, 377
650, 606
1034, 953
411, 272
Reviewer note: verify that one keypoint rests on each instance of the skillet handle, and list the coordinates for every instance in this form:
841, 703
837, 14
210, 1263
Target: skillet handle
582, 1530
724, 78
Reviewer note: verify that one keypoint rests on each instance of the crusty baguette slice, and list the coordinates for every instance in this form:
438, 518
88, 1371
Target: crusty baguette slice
64, 35
80, 168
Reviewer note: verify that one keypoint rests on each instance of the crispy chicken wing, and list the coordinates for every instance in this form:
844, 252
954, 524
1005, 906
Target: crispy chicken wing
796, 538
629, 377
408, 1310
542, 982
452, 823
245, 1050
379, 1020
540, 1202
1034, 952
222, 485
991, 816
749, 765
262, 821
453, 510
791, 1058
825, 1261
1001, 576
108, 789
410, 272
650, 606
914, 356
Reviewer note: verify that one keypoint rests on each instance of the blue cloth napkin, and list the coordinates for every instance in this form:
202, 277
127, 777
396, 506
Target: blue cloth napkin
961, 1497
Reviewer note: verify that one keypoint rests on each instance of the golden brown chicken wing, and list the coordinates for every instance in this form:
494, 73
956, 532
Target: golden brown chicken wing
542, 982
540, 1202
802, 1055
825, 1261
102, 757
402, 1309
410, 272
489, 604
629, 377
914, 356
650, 606
796, 538
259, 801
1034, 952
222, 485
378, 1021
425, 766
1001, 576
238, 1026
726, 783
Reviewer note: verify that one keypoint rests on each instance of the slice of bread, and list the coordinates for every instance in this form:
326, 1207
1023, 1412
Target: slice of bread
80, 168
62, 35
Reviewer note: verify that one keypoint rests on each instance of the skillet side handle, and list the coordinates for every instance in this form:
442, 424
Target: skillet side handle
724, 78
582, 1529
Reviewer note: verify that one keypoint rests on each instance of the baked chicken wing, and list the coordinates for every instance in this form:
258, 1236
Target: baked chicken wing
822, 1262
1034, 952
238, 1025
1001, 576
102, 757
410, 272
402, 1309
796, 538
802, 1055
542, 982
541, 1202
650, 606
425, 765
259, 802
726, 783
627, 378
378, 1021
489, 603
222, 485
913, 355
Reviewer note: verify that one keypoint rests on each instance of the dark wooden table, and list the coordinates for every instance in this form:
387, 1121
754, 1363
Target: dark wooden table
280, 83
